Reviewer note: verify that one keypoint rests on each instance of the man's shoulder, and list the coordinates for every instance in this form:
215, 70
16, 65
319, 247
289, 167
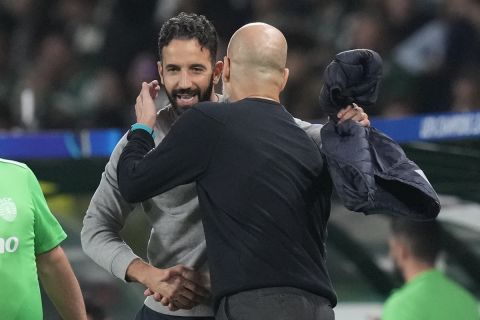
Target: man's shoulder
456, 289
7, 162
214, 110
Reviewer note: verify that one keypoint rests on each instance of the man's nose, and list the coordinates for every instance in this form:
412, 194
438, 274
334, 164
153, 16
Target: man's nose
185, 81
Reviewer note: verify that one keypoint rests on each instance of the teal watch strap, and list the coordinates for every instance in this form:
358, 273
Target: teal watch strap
142, 126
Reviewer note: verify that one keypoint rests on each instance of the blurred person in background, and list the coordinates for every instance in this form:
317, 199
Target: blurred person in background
103, 34
434, 54
107, 101
7, 79
465, 91
427, 292
177, 259
402, 17
398, 107
30, 238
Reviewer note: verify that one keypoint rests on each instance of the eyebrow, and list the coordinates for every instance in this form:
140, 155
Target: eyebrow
171, 65
195, 65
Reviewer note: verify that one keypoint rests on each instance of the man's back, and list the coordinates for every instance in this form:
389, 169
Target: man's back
265, 210
431, 295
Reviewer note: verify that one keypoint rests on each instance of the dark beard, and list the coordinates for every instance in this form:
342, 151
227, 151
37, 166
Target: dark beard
202, 96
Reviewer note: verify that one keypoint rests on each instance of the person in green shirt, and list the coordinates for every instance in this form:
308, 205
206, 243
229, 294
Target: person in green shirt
427, 292
30, 238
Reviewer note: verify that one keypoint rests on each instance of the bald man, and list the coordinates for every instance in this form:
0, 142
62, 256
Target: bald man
261, 181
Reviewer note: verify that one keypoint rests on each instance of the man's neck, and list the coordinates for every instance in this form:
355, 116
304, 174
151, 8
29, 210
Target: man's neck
415, 269
254, 89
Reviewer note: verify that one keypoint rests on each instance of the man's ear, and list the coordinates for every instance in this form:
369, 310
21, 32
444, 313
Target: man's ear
226, 69
403, 249
217, 71
160, 71
286, 73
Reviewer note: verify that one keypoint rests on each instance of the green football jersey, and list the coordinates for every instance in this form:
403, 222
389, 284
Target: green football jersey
431, 296
27, 229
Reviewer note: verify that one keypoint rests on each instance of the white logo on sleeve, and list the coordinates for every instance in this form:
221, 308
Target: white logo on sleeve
8, 209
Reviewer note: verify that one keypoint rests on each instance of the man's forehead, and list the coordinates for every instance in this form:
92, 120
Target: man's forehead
185, 51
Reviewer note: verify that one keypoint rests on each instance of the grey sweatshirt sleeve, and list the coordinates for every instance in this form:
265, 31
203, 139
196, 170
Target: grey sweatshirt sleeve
312, 130
104, 219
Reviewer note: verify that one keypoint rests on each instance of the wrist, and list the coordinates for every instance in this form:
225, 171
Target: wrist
143, 126
137, 271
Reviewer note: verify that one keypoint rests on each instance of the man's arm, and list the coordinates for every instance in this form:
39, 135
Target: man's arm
182, 157
105, 218
102, 242
354, 112
60, 284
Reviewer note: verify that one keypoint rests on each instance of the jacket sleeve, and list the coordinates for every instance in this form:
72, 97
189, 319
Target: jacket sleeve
372, 174
105, 217
312, 129
182, 156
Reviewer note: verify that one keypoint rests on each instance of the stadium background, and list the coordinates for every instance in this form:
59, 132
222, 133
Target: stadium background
70, 71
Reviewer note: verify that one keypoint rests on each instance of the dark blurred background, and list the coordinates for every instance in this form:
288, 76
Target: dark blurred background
78, 63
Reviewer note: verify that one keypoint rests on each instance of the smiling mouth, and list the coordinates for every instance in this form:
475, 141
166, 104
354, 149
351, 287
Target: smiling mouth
186, 99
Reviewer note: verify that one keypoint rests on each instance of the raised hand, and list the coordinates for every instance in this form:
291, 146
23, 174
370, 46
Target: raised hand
145, 109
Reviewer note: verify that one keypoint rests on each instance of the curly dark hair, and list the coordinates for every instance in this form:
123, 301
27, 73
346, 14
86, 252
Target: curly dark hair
186, 26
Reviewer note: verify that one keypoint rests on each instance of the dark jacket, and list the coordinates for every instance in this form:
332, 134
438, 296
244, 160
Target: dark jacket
352, 76
372, 174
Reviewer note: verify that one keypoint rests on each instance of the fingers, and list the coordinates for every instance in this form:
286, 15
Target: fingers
196, 289
194, 281
355, 113
186, 300
184, 289
148, 292
149, 90
172, 307
145, 109
145, 93
154, 88
158, 297
182, 302
165, 301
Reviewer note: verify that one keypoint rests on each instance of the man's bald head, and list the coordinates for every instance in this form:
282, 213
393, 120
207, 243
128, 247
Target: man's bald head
255, 63
258, 46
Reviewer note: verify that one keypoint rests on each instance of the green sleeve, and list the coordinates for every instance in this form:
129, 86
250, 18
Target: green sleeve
48, 232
